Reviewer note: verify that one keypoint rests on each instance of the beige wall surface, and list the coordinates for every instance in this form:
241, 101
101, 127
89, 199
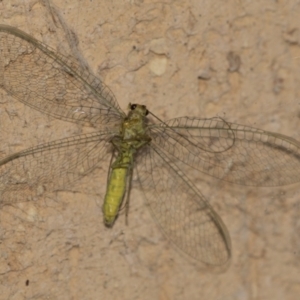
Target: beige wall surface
239, 60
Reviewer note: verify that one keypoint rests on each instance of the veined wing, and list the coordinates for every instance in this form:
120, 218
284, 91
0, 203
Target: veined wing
181, 211
52, 166
231, 152
52, 83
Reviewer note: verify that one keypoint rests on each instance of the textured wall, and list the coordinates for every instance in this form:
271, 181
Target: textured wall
239, 60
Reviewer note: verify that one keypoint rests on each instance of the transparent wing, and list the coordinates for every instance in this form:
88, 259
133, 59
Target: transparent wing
48, 167
181, 211
52, 83
232, 152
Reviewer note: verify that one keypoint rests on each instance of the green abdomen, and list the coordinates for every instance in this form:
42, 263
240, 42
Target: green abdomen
114, 195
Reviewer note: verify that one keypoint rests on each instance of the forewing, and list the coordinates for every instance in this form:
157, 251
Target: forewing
25, 175
232, 152
52, 83
181, 211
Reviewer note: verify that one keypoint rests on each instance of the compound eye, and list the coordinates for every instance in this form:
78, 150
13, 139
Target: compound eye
133, 106
147, 112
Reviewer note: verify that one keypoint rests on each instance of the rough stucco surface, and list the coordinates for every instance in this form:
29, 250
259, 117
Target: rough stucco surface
239, 60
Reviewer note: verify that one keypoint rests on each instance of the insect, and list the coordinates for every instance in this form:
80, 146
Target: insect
159, 152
